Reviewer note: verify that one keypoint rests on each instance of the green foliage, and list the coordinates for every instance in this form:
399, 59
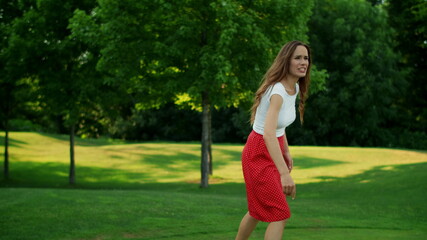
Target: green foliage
156, 124
126, 33
23, 125
357, 51
409, 19
158, 50
231, 44
40, 47
229, 125
318, 80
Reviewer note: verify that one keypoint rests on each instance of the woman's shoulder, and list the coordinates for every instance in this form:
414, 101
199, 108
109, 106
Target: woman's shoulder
278, 85
278, 88
275, 88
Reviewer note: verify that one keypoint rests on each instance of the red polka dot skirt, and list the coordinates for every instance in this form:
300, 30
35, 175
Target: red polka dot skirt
266, 200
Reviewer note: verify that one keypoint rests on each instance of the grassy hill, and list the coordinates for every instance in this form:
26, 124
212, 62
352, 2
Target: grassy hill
150, 191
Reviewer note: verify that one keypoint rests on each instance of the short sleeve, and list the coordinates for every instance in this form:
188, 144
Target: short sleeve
277, 89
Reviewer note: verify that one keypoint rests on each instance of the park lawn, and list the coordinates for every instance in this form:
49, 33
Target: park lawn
150, 191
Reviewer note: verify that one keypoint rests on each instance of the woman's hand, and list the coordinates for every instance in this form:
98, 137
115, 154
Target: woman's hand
289, 161
288, 185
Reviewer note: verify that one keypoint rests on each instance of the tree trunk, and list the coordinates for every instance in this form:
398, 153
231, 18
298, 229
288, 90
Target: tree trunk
72, 164
210, 142
206, 138
6, 151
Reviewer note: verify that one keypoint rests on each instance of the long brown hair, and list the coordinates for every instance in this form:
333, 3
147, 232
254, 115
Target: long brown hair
278, 71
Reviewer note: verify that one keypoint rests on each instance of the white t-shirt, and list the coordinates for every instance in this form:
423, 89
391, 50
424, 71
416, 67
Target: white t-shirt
287, 112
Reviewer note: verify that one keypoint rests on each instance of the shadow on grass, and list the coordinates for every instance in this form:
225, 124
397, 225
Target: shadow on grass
302, 162
12, 142
404, 183
391, 197
305, 162
55, 175
232, 155
177, 162
409, 180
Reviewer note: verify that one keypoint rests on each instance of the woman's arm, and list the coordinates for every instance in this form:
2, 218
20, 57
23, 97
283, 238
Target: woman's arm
273, 146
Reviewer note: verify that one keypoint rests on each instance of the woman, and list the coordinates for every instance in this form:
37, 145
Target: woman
266, 160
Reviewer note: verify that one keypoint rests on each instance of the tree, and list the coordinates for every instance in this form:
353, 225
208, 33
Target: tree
6, 84
409, 19
204, 54
13, 78
230, 46
353, 42
63, 66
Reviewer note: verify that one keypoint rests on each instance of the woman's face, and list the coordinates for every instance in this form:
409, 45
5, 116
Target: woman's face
299, 62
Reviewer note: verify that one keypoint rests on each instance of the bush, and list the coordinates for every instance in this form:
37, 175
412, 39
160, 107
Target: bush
23, 125
408, 139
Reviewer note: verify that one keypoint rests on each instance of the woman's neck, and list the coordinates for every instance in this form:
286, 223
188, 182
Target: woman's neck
289, 83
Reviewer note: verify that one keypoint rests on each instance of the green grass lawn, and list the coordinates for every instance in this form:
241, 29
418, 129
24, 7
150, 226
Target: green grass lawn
150, 191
